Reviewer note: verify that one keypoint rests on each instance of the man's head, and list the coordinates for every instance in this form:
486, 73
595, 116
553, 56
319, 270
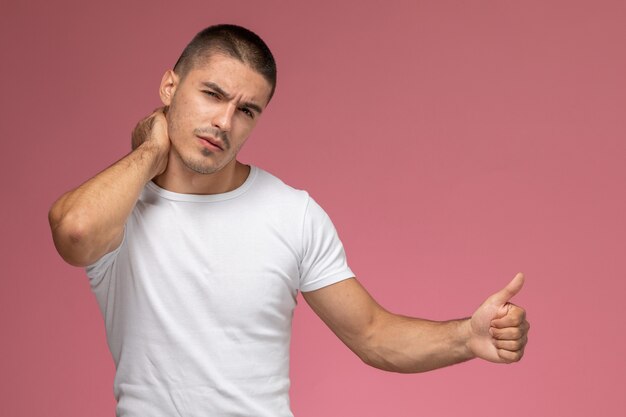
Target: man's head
230, 40
215, 95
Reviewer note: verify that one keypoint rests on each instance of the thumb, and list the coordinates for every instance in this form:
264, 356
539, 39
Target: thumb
505, 294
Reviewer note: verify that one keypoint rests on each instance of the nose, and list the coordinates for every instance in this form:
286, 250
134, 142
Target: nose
224, 116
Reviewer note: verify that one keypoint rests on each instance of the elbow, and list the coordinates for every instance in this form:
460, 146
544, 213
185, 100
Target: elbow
384, 349
70, 233
379, 359
370, 347
371, 358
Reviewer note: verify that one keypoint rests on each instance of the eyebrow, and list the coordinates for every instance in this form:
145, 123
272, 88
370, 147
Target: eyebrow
219, 90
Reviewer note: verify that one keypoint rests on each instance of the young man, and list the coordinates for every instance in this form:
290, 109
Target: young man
196, 259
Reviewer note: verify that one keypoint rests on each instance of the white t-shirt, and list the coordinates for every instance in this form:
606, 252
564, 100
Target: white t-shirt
198, 299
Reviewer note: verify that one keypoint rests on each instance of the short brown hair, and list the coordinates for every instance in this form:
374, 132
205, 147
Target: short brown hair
232, 40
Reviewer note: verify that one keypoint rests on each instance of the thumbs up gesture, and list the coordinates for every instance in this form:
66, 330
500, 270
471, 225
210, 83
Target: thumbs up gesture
498, 328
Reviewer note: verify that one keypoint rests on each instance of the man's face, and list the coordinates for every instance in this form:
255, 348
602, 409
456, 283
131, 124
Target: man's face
212, 110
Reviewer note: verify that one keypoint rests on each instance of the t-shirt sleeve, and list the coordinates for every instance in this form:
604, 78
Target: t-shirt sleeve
323, 257
97, 271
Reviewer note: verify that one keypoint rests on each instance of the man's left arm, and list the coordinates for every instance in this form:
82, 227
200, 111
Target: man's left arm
496, 332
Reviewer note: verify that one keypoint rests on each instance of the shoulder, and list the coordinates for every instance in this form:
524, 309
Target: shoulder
273, 187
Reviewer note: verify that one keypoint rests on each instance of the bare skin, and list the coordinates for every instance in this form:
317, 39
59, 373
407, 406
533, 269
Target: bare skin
496, 332
190, 146
88, 221
219, 100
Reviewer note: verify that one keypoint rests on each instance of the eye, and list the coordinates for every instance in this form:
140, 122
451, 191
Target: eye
211, 94
247, 112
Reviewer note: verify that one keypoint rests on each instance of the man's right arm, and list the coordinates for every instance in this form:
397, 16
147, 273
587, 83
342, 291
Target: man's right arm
88, 222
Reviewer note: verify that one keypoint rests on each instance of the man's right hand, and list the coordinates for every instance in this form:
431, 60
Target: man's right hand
88, 221
152, 131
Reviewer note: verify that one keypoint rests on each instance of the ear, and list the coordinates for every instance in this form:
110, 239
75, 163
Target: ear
169, 83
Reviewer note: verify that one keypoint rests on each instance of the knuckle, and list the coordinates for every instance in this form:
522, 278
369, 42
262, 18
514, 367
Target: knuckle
515, 357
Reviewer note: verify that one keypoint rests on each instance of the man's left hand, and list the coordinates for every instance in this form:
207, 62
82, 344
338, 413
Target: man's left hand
498, 328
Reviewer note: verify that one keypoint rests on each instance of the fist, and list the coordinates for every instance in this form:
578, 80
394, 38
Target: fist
498, 328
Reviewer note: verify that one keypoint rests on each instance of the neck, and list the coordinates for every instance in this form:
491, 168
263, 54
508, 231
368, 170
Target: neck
182, 180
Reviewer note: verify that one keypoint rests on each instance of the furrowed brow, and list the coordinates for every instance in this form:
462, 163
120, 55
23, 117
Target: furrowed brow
218, 89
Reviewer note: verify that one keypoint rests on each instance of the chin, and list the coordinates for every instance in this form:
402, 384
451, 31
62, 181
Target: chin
200, 167
204, 169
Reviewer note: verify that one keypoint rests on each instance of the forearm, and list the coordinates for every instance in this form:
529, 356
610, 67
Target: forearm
496, 332
407, 345
88, 220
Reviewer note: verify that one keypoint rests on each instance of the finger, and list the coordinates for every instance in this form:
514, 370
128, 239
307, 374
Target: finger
508, 333
514, 317
512, 288
512, 345
508, 356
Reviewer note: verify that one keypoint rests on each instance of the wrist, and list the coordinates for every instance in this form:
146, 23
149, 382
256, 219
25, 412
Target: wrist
155, 156
465, 337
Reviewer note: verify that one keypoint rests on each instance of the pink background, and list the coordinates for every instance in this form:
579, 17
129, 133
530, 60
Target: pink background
453, 143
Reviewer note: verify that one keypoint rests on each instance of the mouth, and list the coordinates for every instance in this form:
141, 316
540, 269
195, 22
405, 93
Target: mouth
211, 143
